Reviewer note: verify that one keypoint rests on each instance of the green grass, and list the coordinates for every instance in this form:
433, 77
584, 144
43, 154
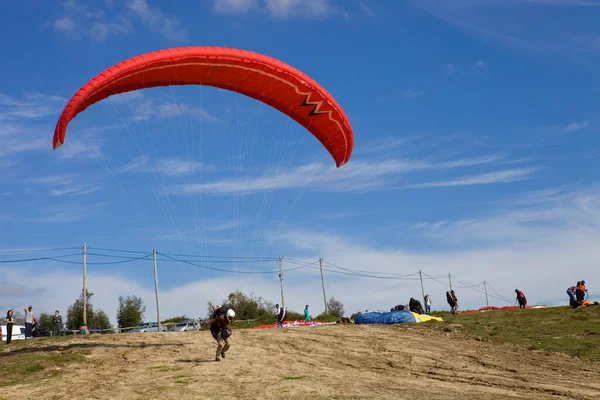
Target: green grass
575, 332
33, 366
293, 378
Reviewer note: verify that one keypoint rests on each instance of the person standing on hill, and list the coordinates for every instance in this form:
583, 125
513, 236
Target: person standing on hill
306, 314
580, 291
9, 325
427, 300
521, 298
29, 322
57, 322
219, 328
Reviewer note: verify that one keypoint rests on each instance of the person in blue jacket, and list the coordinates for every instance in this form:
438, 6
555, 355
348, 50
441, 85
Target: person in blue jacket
306, 314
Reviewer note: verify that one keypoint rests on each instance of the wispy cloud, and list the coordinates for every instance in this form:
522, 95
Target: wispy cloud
65, 185
452, 68
412, 94
172, 110
494, 19
81, 20
279, 8
354, 177
88, 21
505, 176
155, 20
234, 6
31, 106
368, 11
576, 126
57, 213
166, 167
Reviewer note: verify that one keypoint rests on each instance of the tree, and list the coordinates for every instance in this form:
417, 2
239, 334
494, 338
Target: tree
176, 320
45, 321
245, 306
131, 311
94, 318
335, 307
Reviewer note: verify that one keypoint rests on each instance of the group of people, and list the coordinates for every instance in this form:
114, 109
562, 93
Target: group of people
30, 323
577, 294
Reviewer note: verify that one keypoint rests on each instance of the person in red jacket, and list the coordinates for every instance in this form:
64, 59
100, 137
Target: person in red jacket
521, 298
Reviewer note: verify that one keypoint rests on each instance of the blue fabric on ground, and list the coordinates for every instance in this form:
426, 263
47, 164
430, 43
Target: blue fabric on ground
377, 317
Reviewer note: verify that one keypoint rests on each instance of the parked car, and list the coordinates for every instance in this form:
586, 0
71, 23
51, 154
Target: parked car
185, 326
18, 332
95, 329
148, 327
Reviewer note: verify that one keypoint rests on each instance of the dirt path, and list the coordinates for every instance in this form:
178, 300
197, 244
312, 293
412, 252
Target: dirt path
327, 362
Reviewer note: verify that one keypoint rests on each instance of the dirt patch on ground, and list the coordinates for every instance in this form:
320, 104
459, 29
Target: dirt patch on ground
326, 362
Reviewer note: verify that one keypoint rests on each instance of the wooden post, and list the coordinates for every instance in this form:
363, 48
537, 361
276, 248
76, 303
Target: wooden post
84, 284
450, 280
323, 283
281, 281
422, 290
487, 303
156, 289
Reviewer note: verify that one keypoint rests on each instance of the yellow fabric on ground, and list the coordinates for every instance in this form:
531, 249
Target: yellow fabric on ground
425, 318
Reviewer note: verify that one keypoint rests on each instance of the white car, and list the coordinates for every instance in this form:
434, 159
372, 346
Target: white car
185, 326
18, 332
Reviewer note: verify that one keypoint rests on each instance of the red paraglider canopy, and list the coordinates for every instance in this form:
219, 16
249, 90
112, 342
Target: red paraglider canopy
257, 76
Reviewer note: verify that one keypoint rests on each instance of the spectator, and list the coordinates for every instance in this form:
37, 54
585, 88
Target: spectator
306, 314
29, 322
521, 298
427, 304
9, 325
452, 301
580, 291
57, 321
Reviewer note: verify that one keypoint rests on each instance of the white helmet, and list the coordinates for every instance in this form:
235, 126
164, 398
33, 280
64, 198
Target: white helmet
230, 314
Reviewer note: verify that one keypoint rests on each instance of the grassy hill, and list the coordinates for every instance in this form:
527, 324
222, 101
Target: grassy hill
561, 329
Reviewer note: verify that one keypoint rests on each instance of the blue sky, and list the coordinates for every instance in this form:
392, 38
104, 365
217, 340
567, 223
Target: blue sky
476, 145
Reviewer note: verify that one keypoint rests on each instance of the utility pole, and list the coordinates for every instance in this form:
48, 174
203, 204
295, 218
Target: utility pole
156, 289
323, 283
422, 290
281, 281
450, 280
487, 303
84, 284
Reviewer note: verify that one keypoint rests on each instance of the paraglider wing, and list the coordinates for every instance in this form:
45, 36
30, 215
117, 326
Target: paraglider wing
254, 75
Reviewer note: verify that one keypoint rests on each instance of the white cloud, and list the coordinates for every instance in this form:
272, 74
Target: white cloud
367, 10
155, 20
32, 106
172, 110
234, 6
353, 177
100, 31
166, 167
65, 185
576, 126
90, 22
64, 24
57, 213
505, 176
278, 8
412, 94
